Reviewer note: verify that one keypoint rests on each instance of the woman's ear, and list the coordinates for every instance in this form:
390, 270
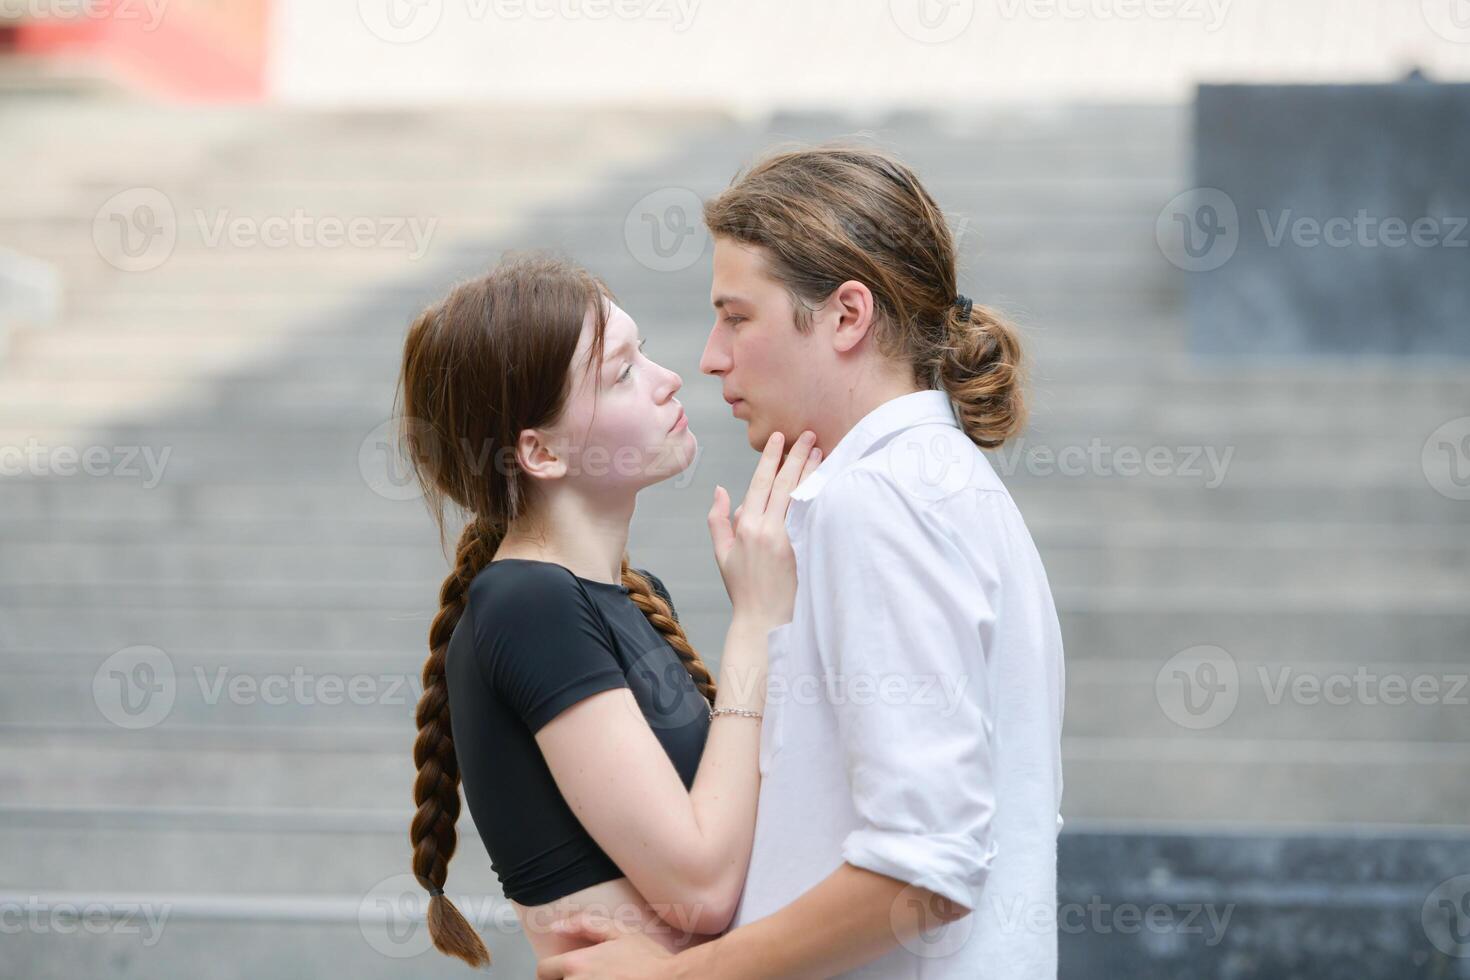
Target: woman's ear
537, 457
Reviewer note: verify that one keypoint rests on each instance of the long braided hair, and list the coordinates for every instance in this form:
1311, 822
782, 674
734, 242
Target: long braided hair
491, 359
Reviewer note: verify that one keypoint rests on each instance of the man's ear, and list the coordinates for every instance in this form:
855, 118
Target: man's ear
851, 306
537, 457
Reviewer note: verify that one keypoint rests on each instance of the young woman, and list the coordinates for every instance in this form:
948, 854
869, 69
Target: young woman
528, 404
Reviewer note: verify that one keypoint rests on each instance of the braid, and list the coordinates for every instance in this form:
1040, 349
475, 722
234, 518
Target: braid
436, 790
640, 590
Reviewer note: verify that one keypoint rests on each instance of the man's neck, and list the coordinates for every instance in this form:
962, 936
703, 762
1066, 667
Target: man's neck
856, 404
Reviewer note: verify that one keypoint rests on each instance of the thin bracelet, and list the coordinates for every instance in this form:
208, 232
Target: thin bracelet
743, 712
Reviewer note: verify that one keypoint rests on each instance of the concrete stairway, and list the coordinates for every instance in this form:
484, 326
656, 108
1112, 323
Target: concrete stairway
248, 531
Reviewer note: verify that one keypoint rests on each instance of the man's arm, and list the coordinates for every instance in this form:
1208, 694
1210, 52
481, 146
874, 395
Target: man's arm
851, 918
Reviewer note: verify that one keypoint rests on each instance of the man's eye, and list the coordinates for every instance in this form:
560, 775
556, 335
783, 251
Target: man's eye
732, 319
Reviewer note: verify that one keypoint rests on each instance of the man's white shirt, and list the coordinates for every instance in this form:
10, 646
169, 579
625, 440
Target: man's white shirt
914, 709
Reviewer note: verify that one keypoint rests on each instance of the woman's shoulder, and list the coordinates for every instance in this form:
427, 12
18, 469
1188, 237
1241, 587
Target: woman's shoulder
518, 588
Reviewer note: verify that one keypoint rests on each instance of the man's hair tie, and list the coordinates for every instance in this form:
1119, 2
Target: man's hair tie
965, 304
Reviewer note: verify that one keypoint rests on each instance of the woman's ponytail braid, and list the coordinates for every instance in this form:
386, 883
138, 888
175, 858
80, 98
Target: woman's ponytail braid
436, 790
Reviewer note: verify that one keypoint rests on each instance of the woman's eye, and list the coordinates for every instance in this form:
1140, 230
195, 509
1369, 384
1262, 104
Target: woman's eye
629, 369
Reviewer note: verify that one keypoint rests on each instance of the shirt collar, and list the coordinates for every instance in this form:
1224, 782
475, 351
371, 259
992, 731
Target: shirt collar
892, 416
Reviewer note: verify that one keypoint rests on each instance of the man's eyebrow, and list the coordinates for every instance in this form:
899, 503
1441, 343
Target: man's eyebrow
719, 302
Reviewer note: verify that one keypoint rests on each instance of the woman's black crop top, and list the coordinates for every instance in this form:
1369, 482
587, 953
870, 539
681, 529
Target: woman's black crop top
535, 639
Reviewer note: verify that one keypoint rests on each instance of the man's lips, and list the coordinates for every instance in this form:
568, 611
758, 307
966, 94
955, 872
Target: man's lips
682, 418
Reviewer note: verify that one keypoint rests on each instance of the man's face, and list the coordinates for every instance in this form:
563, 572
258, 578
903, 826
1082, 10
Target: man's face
777, 374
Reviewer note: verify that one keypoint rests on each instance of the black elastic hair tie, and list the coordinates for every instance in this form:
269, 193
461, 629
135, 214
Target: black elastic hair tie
965, 304
435, 890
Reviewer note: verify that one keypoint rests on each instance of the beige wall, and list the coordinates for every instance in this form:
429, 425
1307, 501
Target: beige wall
752, 55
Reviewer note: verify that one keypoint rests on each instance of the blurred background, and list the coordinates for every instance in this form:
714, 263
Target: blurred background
1234, 232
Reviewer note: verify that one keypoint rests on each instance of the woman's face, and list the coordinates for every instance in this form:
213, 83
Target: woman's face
619, 425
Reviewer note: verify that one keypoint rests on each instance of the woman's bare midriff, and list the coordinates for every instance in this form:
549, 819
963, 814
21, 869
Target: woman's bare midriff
617, 900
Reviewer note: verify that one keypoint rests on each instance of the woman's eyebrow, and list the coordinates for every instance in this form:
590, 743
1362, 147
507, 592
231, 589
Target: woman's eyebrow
626, 345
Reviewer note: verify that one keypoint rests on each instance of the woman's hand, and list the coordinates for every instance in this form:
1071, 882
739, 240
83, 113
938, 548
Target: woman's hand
754, 554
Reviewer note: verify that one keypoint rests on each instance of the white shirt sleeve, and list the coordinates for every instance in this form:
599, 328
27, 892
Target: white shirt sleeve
901, 618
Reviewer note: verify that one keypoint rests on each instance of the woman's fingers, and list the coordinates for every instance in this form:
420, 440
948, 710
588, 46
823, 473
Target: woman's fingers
813, 460
721, 535
785, 480
765, 473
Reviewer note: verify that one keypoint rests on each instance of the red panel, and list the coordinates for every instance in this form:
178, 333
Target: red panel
193, 49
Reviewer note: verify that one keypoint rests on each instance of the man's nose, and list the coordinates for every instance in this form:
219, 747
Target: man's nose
714, 359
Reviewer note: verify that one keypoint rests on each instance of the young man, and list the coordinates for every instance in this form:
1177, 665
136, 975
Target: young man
910, 747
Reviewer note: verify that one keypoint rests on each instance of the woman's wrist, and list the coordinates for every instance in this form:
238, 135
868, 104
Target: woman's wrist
743, 667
